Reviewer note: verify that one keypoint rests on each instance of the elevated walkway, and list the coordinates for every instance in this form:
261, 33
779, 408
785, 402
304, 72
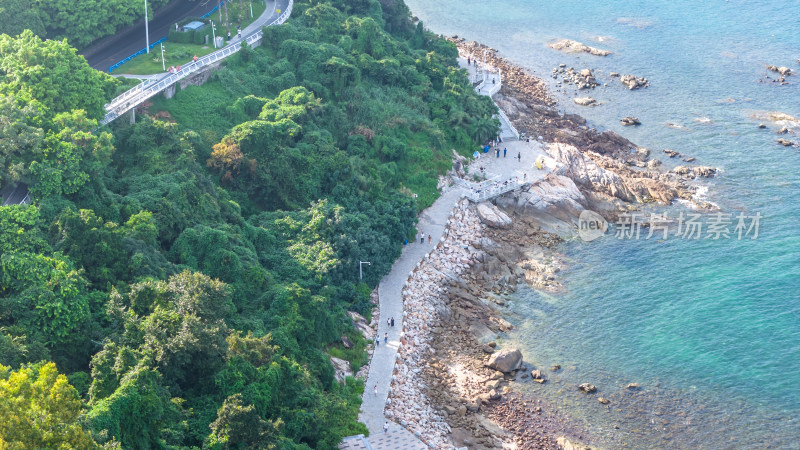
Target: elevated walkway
154, 85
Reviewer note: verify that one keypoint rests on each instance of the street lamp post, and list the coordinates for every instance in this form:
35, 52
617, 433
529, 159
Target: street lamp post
146, 28
214, 33
360, 271
163, 64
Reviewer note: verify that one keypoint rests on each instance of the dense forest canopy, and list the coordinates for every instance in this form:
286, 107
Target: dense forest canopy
183, 282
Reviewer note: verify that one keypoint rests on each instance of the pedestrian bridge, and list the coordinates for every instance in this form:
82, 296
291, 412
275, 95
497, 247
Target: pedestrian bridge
482, 191
149, 88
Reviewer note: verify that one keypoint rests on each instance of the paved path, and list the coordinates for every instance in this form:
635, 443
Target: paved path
432, 221
492, 84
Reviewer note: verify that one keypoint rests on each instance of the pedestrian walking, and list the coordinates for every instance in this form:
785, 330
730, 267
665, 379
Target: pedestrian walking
468, 61
519, 156
422, 238
385, 338
388, 322
392, 322
504, 152
386, 427
377, 341
375, 389
498, 152
429, 239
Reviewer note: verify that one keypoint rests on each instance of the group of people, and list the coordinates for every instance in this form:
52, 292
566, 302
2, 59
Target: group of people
389, 323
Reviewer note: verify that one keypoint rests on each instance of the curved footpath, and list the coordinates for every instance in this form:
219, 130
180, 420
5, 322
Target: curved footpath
432, 222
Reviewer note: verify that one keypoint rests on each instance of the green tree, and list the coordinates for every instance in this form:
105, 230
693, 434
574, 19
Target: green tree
241, 427
46, 294
19, 141
40, 409
17, 16
136, 412
72, 154
52, 76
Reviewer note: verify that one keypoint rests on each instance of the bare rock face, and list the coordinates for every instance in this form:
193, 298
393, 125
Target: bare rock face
785, 142
586, 173
587, 388
555, 202
633, 82
505, 361
492, 216
459, 163
630, 120
570, 46
342, 369
360, 324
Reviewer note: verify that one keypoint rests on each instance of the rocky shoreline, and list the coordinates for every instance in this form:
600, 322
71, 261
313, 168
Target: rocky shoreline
452, 385
450, 377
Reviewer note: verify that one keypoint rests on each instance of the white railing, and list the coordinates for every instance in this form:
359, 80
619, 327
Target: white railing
485, 88
486, 190
505, 118
135, 96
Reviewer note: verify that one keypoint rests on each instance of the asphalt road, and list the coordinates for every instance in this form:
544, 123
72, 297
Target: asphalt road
112, 49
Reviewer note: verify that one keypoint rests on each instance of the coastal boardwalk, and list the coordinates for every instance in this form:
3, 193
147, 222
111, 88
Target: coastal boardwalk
432, 222
511, 170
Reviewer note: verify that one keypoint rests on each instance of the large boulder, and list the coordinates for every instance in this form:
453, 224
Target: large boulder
584, 101
342, 368
633, 82
585, 172
505, 361
492, 216
360, 324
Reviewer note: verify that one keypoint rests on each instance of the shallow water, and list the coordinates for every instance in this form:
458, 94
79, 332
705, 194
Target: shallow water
710, 329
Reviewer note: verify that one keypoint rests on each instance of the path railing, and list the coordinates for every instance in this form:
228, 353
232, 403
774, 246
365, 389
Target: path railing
487, 190
142, 92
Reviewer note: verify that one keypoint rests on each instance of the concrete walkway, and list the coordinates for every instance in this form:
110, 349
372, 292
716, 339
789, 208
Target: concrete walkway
432, 222
492, 83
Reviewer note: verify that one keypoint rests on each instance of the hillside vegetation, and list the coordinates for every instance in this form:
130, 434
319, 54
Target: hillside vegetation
181, 283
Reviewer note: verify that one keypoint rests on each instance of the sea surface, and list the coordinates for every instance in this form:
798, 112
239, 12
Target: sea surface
709, 328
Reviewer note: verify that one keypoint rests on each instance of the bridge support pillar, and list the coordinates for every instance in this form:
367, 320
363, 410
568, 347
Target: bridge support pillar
133, 116
169, 92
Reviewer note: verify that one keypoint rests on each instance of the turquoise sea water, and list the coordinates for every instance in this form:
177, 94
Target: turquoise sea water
710, 329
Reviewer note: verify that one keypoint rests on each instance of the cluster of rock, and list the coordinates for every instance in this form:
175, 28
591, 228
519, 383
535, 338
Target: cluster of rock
630, 120
570, 46
412, 401
784, 71
692, 172
515, 78
581, 79
445, 379
633, 82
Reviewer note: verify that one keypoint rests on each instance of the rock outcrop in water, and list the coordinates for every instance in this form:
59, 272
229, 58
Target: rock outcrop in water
784, 71
633, 82
583, 79
570, 46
